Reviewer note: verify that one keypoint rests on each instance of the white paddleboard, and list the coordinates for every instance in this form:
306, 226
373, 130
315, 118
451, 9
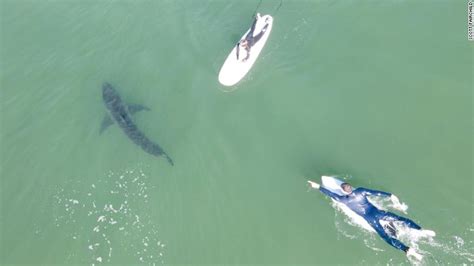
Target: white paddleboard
235, 69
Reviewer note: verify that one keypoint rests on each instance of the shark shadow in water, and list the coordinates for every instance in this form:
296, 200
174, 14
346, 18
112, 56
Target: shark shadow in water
120, 113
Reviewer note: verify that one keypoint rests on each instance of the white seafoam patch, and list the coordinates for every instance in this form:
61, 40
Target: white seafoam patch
349, 225
110, 215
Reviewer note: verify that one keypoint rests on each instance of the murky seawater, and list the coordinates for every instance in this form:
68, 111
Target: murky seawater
378, 91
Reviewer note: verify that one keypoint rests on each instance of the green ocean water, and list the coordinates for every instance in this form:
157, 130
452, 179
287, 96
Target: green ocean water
376, 92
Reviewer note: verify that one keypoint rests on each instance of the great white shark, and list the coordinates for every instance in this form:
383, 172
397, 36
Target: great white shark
120, 113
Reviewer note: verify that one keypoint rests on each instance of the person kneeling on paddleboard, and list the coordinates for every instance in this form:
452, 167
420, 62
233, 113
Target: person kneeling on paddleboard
249, 39
356, 200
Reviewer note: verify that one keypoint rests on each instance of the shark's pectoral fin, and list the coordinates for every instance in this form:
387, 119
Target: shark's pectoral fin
106, 122
133, 108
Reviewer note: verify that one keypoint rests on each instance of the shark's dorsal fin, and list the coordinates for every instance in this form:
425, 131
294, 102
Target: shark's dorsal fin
133, 108
106, 122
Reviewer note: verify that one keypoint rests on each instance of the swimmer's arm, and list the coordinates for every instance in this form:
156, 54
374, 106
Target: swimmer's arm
329, 193
247, 57
323, 190
395, 201
370, 192
237, 50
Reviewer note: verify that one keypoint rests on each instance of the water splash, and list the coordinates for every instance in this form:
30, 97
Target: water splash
439, 250
111, 216
385, 203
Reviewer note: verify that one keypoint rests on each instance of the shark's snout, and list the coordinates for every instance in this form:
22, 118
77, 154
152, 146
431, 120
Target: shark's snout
109, 94
107, 89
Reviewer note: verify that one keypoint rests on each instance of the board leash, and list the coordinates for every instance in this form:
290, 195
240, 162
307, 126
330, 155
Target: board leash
278, 8
255, 12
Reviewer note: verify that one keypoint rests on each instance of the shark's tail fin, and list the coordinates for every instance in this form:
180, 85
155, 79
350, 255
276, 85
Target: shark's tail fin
169, 159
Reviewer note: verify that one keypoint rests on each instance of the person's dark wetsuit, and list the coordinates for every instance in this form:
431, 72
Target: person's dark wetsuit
251, 40
357, 202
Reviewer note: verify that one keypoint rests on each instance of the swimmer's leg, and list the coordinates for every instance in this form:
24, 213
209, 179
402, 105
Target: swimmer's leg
408, 222
249, 35
390, 240
257, 37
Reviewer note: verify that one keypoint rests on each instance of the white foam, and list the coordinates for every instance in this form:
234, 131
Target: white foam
74, 201
459, 241
409, 236
133, 223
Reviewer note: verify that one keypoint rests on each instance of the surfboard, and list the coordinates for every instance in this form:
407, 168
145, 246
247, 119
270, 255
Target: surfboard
233, 69
332, 184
